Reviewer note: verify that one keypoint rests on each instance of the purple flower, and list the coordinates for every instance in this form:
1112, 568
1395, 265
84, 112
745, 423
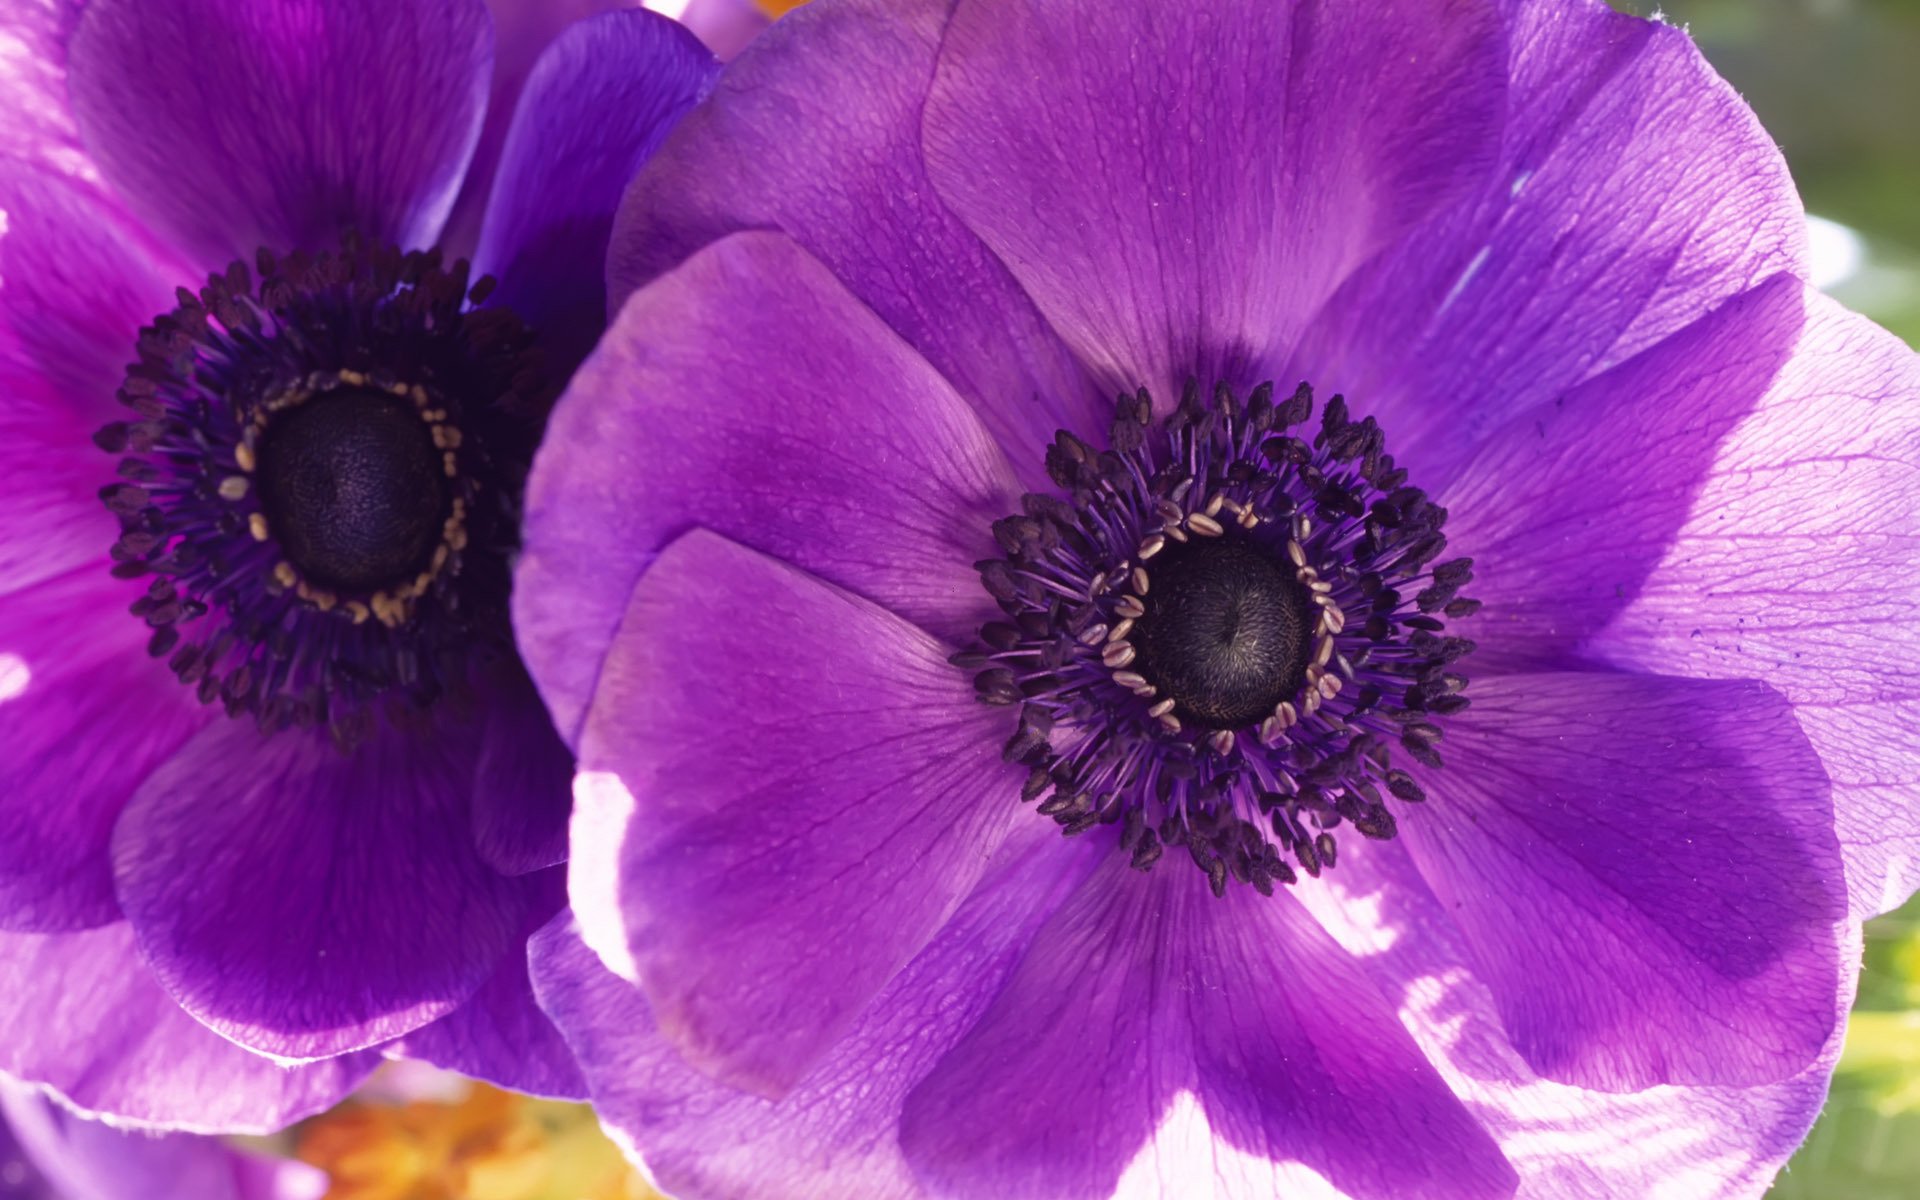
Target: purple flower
47, 1153
1474, 764
305, 780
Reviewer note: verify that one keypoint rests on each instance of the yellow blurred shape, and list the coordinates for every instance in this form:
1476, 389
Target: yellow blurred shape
777, 8
488, 1145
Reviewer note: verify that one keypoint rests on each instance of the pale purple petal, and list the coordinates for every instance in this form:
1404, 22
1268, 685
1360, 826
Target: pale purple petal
749, 394
85, 1018
823, 851
232, 125
1634, 191
1180, 193
726, 26
1796, 564
597, 104
1141, 989
307, 902
815, 131
500, 1035
833, 1135
1644, 873
85, 716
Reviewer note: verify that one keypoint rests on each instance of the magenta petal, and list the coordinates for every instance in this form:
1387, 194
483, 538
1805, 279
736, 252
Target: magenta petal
500, 1035
234, 125
85, 717
834, 1134
1566, 510
596, 106
1143, 988
307, 902
1795, 563
749, 394
815, 131
823, 851
1634, 192
1645, 873
1200, 183
85, 1018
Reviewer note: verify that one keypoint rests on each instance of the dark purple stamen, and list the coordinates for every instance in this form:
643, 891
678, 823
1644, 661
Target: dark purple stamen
1219, 631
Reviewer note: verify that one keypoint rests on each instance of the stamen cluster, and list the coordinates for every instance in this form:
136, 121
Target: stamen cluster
258, 355
1104, 739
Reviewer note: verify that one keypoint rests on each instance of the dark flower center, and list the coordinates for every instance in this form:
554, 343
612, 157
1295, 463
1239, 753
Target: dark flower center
1221, 630
322, 480
1228, 632
353, 488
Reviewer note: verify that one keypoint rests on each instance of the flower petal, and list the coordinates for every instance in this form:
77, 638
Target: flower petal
85, 716
305, 901
232, 125
596, 106
1634, 192
1645, 873
815, 131
834, 1135
748, 393
1180, 193
523, 785
85, 1018
823, 850
500, 1035
1795, 564
1142, 988
1567, 509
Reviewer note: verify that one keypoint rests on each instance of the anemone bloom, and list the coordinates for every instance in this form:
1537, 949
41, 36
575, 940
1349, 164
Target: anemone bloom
265, 728
1025, 753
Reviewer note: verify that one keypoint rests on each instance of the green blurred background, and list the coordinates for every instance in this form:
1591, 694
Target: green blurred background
1837, 82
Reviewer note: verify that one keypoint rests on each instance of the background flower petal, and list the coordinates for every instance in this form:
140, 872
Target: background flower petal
1180, 193
749, 394
232, 125
85, 1018
823, 850
1644, 873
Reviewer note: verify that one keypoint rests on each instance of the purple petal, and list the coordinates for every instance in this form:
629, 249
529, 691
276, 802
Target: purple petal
233, 125
727, 26
777, 410
815, 131
1182, 192
1144, 987
305, 901
834, 1134
85, 716
523, 785
596, 106
1645, 875
85, 1018
823, 850
1567, 509
1795, 564
1634, 192
1568, 1143
89, 1160
500, 1035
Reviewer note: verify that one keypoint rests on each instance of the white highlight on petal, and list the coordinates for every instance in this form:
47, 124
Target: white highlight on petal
602, 809
1184, 1159
15, 677
1835, 253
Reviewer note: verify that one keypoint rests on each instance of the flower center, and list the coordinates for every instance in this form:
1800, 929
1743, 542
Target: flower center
322, 482
353, 488
1220, 633
1228, 632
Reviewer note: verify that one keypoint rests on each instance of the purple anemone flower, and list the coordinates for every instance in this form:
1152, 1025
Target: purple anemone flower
265, 729
47, 1153
1034, 745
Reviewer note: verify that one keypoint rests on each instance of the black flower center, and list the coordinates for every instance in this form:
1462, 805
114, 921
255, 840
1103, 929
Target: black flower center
321, 481
1227, 632
353, 488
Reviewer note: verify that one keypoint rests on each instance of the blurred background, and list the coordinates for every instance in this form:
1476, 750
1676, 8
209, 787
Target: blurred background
1837, 83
